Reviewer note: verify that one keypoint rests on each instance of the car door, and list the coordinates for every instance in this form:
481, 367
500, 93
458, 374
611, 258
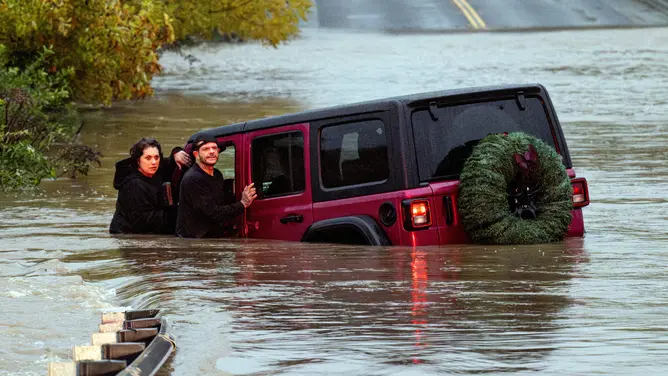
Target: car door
277, 160
354, 173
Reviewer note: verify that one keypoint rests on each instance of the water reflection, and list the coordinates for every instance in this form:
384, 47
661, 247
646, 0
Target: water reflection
303, 308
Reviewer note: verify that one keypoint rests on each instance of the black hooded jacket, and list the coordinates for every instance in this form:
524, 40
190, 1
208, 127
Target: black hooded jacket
141, 207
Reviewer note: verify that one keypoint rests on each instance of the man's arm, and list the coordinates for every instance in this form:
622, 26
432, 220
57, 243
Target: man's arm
178, 159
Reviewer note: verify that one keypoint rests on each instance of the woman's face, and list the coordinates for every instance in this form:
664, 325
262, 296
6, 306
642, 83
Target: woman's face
149, 161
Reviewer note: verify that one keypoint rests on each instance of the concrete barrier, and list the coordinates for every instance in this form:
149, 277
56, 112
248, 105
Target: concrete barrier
128, 343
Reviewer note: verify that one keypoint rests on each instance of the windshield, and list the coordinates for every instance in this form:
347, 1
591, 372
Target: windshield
443, 145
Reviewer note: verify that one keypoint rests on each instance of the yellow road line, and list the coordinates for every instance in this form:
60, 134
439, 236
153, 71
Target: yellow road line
466, 14
471, 15
475, 14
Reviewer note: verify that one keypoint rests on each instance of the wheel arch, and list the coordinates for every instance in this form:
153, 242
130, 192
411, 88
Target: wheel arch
357, 229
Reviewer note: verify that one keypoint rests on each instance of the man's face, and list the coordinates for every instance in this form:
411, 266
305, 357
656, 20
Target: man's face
207, 154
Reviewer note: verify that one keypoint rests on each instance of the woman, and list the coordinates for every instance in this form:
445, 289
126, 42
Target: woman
144, 206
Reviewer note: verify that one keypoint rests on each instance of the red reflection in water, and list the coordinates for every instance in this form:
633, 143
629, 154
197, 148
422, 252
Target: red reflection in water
419, 281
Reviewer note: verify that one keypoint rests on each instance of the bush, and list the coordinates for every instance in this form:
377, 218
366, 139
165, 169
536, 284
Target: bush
22, 165
268, 21
38, 125
53, 52
112, 46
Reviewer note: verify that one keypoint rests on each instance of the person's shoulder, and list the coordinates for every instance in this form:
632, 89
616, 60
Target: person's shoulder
191, 172
217, 173
135, 183
194, 174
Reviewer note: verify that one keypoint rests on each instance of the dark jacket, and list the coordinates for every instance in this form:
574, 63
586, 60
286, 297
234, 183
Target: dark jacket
141, 207
202, 209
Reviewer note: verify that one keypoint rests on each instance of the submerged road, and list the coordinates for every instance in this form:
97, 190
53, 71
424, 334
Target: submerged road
452, 15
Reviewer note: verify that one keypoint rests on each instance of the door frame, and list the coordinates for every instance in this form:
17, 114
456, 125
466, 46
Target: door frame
248, 138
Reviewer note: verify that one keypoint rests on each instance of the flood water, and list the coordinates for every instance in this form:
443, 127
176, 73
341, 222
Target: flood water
597, 305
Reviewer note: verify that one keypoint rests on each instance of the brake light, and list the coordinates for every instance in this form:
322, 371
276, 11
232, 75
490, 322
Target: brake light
420, 213
417, 214
580, 192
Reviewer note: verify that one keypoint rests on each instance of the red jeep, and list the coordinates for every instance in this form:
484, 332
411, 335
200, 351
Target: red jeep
379, 172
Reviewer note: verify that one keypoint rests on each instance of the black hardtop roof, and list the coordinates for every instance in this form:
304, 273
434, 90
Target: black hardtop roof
412, 100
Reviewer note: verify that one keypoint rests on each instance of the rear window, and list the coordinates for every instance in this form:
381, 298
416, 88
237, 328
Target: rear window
443, 145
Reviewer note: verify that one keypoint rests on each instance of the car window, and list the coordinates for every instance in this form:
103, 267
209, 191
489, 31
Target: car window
278, 164
226, 162
226, 165
353, 153
444, 144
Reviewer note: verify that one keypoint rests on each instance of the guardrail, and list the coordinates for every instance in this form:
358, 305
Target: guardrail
128, 343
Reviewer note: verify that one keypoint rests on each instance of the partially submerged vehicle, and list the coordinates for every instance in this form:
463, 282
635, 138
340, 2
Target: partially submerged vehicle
384, 172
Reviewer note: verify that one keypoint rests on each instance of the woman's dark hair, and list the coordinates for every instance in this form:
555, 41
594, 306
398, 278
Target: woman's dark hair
138, 148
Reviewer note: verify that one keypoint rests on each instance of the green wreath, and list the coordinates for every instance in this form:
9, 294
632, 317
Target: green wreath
514, 189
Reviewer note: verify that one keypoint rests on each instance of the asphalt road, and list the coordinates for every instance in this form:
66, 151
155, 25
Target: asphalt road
444, 15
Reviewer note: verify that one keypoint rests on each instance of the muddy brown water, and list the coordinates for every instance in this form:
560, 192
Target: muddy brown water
582, 306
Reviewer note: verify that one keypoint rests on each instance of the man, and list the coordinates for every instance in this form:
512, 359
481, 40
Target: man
202, 211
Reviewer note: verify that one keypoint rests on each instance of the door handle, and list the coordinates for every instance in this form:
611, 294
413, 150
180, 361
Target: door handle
298, 218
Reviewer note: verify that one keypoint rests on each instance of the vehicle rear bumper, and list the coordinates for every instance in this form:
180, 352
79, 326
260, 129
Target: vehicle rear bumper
576, 228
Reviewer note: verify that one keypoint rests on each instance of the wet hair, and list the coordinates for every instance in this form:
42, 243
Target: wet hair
138, 148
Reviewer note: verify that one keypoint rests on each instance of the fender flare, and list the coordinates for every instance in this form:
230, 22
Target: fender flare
363, 225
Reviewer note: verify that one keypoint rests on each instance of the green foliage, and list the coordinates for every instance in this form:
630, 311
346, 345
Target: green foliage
22, 165
35, 116
111, 47
483, 193
269, 21
96, 51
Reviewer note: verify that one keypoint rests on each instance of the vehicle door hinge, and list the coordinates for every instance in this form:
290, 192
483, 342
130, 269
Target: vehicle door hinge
521, 101
448, 210
432, 111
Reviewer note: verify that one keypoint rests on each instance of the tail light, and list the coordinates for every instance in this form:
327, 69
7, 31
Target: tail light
580, 192
417, 214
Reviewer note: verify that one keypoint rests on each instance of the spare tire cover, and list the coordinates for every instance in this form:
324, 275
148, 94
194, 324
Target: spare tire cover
484, 208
